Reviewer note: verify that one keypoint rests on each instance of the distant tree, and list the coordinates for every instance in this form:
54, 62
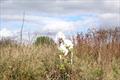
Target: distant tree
44, 40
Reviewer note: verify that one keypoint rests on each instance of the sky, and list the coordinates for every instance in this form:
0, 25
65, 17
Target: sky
51, 16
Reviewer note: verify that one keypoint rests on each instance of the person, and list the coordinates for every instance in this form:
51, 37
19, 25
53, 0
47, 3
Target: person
65, 46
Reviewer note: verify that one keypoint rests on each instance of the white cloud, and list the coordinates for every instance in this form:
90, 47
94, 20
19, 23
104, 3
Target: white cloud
54, 24
115, 4
15, 8
44, 23
109, 19
62, 7
5, 33
108, 13
58, 25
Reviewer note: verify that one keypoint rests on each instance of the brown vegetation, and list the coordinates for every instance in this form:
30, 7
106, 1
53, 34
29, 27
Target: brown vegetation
96, 57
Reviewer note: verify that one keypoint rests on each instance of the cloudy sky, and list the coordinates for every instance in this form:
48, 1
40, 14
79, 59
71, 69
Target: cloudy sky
52, 16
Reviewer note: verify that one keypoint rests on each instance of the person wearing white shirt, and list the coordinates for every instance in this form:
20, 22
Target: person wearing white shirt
64, 45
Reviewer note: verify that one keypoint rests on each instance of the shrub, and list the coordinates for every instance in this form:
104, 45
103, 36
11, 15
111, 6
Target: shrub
44, 40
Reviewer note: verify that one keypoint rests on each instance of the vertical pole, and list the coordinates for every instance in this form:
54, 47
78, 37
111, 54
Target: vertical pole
21, 32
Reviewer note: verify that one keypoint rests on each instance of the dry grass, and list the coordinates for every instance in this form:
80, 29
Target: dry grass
96, 57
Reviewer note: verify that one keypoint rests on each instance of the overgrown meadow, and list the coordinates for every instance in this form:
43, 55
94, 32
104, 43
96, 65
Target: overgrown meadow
96, 57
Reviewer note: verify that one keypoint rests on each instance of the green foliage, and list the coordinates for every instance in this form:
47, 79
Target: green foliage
44, 40
116, 68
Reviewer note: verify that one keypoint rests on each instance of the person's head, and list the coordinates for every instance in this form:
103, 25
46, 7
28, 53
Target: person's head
60, 41
60, 37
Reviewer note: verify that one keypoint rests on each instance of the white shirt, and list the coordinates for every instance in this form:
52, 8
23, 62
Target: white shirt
66, 46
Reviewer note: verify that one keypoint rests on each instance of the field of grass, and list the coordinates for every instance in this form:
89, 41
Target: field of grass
96, 57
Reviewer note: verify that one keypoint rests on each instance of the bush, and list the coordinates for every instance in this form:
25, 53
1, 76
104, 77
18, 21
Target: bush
44, 40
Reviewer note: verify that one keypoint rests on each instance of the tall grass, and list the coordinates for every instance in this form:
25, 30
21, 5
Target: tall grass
96, 57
